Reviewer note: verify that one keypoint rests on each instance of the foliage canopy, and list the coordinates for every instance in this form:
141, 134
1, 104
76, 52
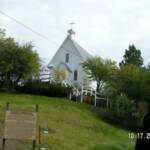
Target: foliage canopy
99, 69
17, 62
132, 56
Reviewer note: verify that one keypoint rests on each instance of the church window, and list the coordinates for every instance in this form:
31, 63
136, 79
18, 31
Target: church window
75, 75
67, 58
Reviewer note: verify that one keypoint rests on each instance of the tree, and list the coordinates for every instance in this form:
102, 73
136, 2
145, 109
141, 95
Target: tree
128, 80
2, 33
145, 85
148, 66
17, 62
99, 70
59, 75
123, 110
132, 56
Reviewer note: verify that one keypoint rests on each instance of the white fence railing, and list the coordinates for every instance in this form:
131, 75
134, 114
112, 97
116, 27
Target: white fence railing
90, 93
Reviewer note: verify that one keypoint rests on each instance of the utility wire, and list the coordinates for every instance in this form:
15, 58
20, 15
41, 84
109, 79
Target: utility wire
25, 26
32, 30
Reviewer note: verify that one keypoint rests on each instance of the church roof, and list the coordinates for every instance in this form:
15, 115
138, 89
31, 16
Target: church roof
84, 54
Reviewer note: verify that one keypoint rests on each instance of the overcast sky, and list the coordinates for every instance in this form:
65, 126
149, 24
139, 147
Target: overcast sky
103, 27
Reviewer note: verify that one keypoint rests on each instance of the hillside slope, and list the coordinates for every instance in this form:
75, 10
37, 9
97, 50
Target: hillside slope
72, 126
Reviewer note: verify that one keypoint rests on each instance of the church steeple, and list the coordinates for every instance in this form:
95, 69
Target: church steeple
70, 31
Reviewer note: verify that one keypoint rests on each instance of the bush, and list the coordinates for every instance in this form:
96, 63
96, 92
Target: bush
46, 88
1, 84
123, 112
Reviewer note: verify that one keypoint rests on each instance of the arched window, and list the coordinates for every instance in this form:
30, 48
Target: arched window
75, 75
67, 58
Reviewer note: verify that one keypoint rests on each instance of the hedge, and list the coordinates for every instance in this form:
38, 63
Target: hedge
45, 88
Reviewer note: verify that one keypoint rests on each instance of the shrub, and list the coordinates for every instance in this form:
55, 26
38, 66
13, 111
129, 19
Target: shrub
123, 112
45, 88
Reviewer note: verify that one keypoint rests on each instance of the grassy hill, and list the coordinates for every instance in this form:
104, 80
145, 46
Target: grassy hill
72, 126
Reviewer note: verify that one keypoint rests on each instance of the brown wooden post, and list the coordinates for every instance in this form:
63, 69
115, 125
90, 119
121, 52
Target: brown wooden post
39, 137
3, 144
95, 98
33, 145
37, 108
7, 106
34, 142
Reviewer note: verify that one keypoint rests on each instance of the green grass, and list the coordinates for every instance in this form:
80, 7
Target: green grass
72, 126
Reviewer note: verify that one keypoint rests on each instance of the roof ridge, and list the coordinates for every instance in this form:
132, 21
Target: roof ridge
84, 54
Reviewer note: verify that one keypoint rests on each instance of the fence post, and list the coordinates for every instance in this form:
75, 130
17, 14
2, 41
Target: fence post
91, 92
86, 92
39, 141
36, 108
70, 96
76, 95
7, 106
3, 144
95, 97
33, 145
81, 100
107, 105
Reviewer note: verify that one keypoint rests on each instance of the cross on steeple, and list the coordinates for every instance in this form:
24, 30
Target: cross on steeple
71, 25
70, 31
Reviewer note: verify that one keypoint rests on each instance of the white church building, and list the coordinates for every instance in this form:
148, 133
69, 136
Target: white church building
69, 57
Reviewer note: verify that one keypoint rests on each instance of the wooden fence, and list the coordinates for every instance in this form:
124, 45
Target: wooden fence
90, 96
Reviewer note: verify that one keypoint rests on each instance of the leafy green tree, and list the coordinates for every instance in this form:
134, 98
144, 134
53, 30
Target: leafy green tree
132, 56
145, 85
17, 62
148, 66
123, 110
110, 89
2, 33
128, 80
99, 70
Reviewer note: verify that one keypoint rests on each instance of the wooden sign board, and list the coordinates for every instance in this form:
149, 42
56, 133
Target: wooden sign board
20, 125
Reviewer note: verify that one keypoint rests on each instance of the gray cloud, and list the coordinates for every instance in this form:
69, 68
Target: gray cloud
103, 27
